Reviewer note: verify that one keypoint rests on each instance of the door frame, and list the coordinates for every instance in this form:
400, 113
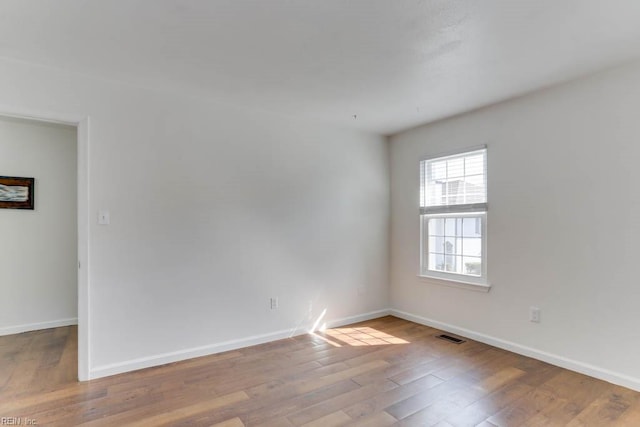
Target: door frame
81, 123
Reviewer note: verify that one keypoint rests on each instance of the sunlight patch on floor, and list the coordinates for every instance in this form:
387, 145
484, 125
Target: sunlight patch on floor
361, 336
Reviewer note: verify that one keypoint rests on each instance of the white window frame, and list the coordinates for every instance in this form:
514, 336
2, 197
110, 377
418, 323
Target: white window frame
453, 211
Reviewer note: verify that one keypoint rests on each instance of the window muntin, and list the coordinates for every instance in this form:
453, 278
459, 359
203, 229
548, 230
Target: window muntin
454, 183
453, 206
454, 244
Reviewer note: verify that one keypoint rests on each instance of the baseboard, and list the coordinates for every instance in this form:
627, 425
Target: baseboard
358, 318
161, 359
176, 356
554, 359
10, 330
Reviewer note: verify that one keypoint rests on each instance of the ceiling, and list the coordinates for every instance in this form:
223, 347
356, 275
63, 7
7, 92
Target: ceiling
375, 65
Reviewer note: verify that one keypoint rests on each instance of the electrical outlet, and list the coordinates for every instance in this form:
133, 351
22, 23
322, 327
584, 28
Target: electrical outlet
534, 314
274, 303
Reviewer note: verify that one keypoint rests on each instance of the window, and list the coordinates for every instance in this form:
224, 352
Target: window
453, 214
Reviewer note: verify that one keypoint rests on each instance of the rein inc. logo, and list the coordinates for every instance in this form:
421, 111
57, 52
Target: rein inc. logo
18, 421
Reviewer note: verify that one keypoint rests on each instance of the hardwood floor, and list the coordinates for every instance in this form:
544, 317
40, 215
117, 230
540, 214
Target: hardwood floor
378, 373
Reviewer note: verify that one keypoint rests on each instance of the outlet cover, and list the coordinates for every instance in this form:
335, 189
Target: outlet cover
534, 314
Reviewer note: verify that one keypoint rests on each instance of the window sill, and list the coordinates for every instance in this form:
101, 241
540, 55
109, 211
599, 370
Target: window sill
460, 284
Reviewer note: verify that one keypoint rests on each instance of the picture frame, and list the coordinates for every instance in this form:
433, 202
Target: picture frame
16, 192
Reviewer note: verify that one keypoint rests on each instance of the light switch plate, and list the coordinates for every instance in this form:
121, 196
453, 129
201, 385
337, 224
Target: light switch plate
104, 218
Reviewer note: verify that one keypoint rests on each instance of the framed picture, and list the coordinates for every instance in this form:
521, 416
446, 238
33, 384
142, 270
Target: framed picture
16, 193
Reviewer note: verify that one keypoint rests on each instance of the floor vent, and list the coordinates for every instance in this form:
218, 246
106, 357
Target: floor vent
449, 338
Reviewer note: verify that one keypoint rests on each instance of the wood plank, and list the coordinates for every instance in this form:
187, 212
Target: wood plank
307, 381
524, 408
339, 402
312, 384
335, 419
287, 401
382, 401
483, 408
432, 414
179, 413
233, 422
422, 400
605, 410
379, 419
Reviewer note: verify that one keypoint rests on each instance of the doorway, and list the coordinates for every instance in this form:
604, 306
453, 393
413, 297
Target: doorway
45, 249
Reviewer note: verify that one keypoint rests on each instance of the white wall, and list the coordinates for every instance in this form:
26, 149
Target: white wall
563, 224
214, 210
38, 253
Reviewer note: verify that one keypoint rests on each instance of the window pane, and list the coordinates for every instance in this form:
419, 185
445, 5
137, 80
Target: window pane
474, 165
455, 168
436, 226
455, 180
452, 225
436, 262
455, 192
472, 246
472, 226
436, 193
437, 170
474, 189
452, 245
472, 266
452, 263
476, 181
475, 197
436, 244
